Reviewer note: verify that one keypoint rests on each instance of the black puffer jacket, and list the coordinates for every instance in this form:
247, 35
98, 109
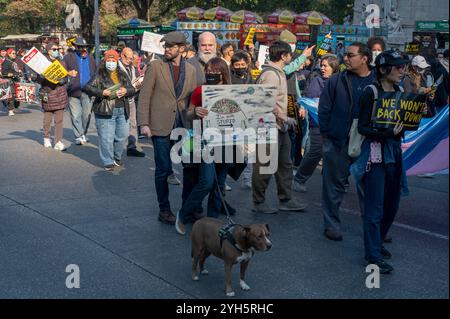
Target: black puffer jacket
103, 81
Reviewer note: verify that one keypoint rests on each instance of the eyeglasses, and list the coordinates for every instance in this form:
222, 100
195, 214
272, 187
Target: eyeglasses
54, 49
351, 55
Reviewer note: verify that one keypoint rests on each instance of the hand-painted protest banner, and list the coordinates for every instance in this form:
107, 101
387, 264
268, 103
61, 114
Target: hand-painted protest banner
325, 45
55, 72
238, 108
151, 42
263, 55
250, 35
397, 106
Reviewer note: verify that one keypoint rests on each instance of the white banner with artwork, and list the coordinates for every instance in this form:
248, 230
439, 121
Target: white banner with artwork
242, 113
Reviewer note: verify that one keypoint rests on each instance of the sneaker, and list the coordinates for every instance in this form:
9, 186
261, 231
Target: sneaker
60, 146
299, 187
292, 206
172, 179
227, 187
118, 162
333, 234
11, 113
85, 139
80, 140
135, 153
385, 253
109, 167
384, 267
167, 217
47, 143
388, 239
262, 208
179, 226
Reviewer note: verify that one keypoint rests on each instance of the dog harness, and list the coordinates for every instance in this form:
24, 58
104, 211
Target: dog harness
226, 233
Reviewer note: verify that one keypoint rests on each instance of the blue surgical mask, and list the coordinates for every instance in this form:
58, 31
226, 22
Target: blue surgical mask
111, 65
55, 54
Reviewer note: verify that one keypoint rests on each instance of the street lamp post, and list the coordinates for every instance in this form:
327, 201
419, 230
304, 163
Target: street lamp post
97, 32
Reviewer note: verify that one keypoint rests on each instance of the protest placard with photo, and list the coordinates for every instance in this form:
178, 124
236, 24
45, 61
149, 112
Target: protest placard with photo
26, 92
151, 43
240, 107
5, 90
397, 106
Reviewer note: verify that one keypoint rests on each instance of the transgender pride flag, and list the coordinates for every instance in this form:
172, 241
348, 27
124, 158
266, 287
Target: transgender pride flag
424, 151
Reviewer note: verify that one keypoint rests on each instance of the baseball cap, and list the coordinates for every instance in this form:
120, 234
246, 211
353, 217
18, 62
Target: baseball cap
174, 37
391, 57
420, 61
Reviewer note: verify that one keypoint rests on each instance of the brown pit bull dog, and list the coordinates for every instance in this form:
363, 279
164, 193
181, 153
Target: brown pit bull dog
232, 243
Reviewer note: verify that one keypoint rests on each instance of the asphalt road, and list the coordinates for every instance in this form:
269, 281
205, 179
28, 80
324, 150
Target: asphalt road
59, 209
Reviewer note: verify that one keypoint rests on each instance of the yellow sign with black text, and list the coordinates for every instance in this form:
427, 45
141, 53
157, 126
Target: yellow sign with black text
250, 35
55, 72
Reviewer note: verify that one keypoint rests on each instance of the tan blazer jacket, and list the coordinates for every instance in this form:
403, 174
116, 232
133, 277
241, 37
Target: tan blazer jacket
158, 102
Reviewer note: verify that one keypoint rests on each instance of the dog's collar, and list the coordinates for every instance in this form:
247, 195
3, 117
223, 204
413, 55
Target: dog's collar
226, 233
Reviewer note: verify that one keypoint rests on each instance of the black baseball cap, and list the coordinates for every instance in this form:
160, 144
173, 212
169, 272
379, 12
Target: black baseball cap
391, 57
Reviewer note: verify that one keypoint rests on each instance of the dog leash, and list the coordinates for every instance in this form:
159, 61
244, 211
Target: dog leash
222, 199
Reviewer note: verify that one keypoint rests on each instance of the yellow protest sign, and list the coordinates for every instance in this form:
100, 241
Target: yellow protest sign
256, 73
250, 35
71, 41
55, 72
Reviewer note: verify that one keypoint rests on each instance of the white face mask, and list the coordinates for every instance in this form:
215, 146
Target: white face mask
111, 65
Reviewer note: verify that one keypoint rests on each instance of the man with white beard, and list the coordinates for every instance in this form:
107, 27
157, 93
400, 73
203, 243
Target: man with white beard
207, 49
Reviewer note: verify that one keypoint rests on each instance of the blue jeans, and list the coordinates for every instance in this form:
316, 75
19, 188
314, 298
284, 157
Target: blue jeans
112, 134
381, 202
80, 114
163, 168
205, 184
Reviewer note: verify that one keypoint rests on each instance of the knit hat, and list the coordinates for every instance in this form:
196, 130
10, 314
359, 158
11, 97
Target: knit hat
112, 54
